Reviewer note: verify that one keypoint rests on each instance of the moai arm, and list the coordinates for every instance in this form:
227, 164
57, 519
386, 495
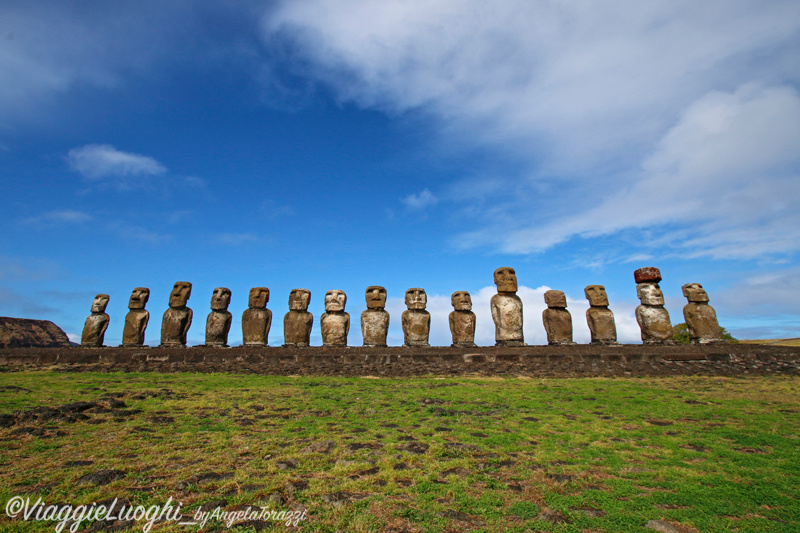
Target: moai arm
185, 330
347, 326
451, 319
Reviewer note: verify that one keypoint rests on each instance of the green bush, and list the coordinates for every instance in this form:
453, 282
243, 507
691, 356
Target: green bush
680, 334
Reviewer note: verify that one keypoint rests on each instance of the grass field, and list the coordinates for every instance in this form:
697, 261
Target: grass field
774, 342
421, 454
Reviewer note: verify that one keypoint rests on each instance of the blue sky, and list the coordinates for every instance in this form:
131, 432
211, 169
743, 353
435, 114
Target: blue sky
337, 145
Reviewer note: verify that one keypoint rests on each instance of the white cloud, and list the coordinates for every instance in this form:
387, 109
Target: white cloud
678, 117
417, 202
58, 217
104, 163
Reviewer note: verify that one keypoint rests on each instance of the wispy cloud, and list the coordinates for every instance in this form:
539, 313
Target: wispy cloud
677, 118
57, 218
422, 200
104, 163
235, 239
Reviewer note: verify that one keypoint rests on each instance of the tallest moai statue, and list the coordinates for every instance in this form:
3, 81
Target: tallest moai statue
178, 318
653, 319
507, 309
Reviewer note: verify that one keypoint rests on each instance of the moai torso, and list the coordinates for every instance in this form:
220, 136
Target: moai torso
557, 320
298, 321
462, 320
178, 318
94, 329
416, 320
375, 319
651, 316
137, 318
335, 323
218, 323
599, 317
701, 319
257, 319
507, 309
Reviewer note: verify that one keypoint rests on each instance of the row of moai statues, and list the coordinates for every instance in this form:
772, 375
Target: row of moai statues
506, 308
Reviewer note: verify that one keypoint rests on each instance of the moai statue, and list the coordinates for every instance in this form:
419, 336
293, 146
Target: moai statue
653, 319
137, 318
218, 323
556, 318
334, 322
298, 321
375, 320
701, 319
507, 309
94, 329
599, 316
416, 320
462, 320
178, 318
256, 319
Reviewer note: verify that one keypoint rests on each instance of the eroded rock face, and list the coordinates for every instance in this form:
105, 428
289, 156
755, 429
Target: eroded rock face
651, 316
178, 318
137, 318
701, 319
375, 320
599, 317
335, 323
298, 321
94, 329
416, 320
218, 323
462, 319
507, 309
557, 320
29, 333
257, 319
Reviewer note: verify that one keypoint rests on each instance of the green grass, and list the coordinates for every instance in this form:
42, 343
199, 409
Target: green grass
605, 455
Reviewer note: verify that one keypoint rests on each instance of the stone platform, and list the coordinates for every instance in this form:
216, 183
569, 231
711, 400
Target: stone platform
398, 361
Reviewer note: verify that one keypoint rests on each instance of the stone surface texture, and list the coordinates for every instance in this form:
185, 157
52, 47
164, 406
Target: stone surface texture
700, 317
137, 318
297, 323
334, 322
557, 320
507, 309
599, 317
651, 316
218, 323
462, 319
257, 319
647, 274
178, 318
29, 333
416, 320
94, 329
375, 319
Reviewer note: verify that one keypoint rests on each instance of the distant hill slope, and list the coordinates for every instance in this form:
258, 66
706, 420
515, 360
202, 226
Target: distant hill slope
28, 333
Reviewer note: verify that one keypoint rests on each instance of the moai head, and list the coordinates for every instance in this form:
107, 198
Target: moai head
506, 279
100, 303
416, 298
461, 301
555, 299
650, 294
376, 297
139, 298
259, 296
180, 294
335, 301
299, 299
220, 299
695, 293
596, 294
